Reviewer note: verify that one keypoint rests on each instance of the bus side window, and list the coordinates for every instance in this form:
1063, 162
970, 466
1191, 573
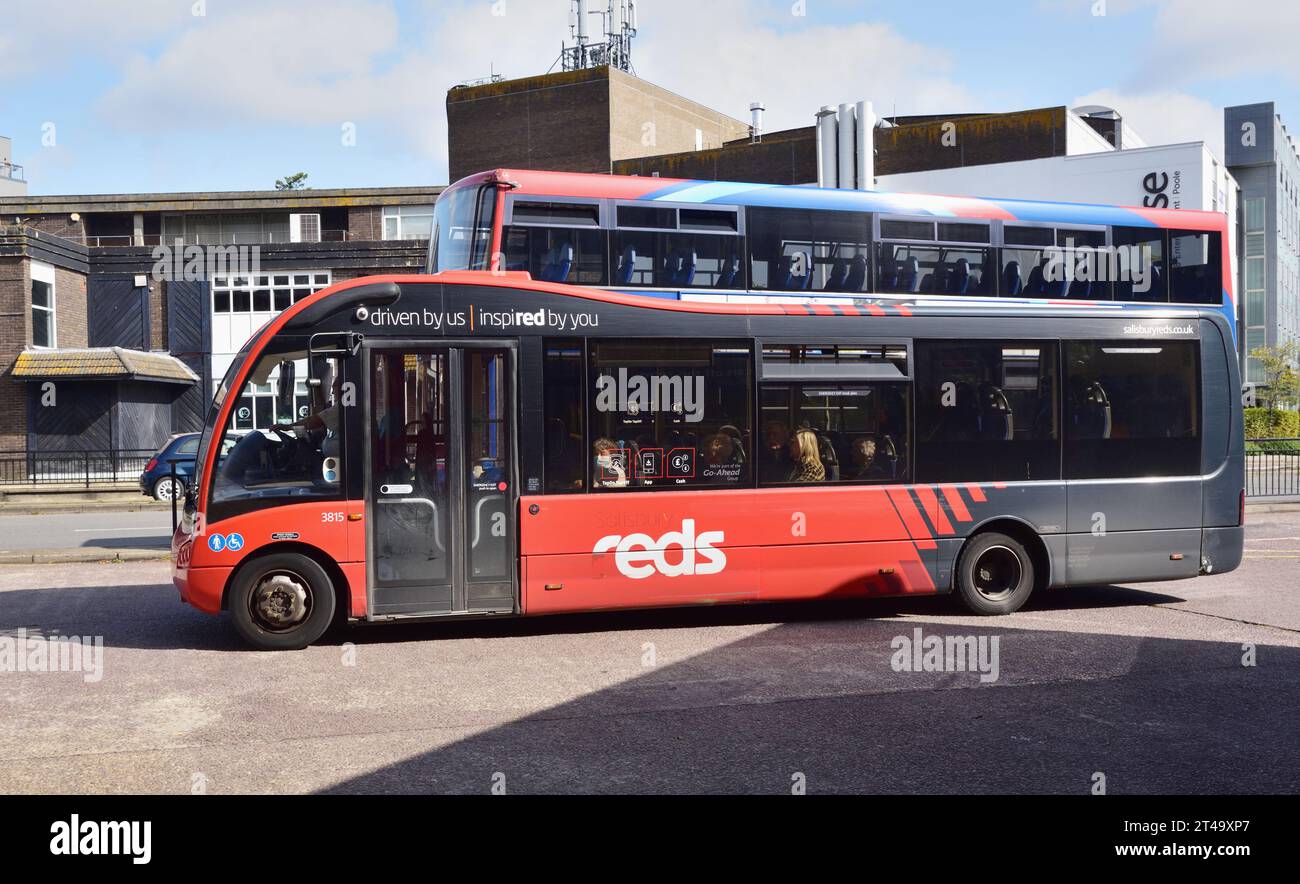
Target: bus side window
562, 373
986, 411
1132, 409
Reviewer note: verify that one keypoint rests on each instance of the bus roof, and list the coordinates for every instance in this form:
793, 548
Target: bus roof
733, 193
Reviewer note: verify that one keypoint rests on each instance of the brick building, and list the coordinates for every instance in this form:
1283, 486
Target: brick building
132, 305
576, 121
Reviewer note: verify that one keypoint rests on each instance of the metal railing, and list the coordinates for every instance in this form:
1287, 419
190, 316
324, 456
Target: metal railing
12, 171
84, 468
1272, 468
268, 237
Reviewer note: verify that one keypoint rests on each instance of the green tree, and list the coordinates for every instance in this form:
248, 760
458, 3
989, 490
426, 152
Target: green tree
296, 181
1281, 386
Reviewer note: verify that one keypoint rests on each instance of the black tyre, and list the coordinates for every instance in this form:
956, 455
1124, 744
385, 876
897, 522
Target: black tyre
281, 602
995, 574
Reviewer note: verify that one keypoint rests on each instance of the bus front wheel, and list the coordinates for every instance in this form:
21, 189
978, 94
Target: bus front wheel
281, 602
995, 574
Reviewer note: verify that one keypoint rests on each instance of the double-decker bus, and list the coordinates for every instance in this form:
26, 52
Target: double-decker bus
729, 241
484, 444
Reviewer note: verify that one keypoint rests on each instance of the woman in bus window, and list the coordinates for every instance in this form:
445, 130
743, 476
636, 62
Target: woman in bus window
804, 452
610, 469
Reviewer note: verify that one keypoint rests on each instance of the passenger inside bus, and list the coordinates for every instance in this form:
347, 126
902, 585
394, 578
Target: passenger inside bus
609, 466
865, 464
805, 456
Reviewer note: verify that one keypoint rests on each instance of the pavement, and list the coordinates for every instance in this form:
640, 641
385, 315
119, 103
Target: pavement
1182, 687
85, 536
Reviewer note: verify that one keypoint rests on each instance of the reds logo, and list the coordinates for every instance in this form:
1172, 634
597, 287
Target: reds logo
639, 555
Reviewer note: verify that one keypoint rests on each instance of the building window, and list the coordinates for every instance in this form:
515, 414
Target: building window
1254, 214
264, 292
43, 325
408, 222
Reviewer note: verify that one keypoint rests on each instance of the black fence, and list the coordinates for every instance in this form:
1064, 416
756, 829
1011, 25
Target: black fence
1272, 468
73, 467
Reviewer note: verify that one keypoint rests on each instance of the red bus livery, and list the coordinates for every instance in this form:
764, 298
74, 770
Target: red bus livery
481, 444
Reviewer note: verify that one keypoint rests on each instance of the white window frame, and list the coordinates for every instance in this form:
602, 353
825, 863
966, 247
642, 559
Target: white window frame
265, 280
44, 273
397, 213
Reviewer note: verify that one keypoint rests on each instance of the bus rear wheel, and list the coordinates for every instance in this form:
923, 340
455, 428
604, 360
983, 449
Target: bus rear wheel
281, 602
995, 574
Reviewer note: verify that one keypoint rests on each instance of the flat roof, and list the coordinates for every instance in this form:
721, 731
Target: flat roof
211, 201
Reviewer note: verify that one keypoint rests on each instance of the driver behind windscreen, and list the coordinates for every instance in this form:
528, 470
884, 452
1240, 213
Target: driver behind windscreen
327, 419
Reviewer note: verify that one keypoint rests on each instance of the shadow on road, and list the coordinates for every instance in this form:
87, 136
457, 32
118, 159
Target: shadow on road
1150, 715
115, 542
130, 616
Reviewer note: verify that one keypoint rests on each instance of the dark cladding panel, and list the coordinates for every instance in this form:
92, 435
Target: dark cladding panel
118, 313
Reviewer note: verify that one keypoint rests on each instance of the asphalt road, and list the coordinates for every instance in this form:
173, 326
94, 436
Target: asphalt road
1144, 685
146, 529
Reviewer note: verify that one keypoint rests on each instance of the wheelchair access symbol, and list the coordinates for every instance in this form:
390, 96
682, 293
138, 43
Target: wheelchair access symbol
232, 542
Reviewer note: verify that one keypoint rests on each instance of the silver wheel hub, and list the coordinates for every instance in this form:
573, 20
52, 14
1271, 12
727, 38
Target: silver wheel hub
280, 601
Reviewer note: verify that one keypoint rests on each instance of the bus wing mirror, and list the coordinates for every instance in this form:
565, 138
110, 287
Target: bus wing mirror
335, 343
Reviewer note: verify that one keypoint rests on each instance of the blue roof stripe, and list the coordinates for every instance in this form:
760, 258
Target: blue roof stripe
1080, 213
796, 197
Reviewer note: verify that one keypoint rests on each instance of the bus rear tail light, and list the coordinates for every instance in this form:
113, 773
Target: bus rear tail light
1241, 510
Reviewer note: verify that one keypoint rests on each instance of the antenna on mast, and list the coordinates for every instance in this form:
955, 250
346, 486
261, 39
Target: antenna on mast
618, 25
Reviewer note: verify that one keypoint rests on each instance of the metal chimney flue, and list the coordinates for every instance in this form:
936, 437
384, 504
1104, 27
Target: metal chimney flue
756, 122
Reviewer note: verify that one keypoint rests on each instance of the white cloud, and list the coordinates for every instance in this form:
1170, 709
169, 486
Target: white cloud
1164, 117
1225, 39
324, 62
728, 58
37, 37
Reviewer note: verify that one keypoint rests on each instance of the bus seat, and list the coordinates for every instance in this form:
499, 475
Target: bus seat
804, 260
626, 266
1011, 281
686, 275
1057, 288
909, 280
670, 270
839, 273
888, 273
558, 263
1080, 289
1036, 284
730, 267
996, 420
959, 281
857, 275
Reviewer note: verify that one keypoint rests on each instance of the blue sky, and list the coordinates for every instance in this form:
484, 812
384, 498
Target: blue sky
147, 95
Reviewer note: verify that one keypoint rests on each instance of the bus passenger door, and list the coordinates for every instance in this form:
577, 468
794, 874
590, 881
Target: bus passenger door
440, 483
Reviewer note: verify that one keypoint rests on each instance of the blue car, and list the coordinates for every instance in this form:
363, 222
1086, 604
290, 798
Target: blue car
156, 480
